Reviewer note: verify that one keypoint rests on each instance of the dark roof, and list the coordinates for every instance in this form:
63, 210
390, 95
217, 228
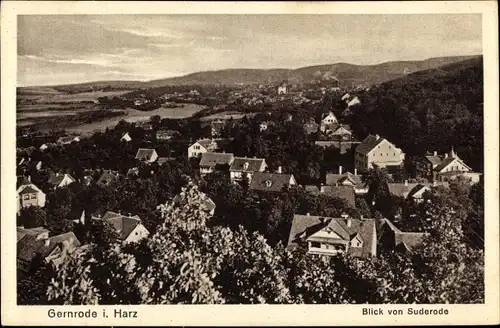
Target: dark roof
407, 240
23, 181
21, 232
333, 178
343, 192
434, 160
205, 142
57, 179
28, 190
368, 144
124, 225
416, 189
254, 164
213, 159
29, 246
144, 153
107, 177
270, 181
312, 189
304, 226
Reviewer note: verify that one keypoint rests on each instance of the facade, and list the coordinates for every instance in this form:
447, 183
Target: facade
200, 147
446, 167
271, 182
129, 228
246, 167
379, 151
311, 127
210, 161
333, 236
146, 155
29, 195
329, 122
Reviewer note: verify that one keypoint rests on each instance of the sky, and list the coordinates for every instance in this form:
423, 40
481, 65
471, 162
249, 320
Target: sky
63, 49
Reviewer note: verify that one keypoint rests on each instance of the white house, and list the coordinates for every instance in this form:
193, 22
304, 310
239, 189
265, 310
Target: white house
146, 155
377, 150
29, 194
200, 147
354, 101
328, 122
126, 137
129, 228
246, 167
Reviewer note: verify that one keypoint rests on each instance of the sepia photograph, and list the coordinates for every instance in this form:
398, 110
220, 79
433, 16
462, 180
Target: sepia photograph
229, 158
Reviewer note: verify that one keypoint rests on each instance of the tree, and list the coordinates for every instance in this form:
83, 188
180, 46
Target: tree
378, 190
32, 217
185, 261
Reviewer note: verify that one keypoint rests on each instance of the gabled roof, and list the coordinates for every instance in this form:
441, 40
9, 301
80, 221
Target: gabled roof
210, 159
325, 115
57, 179
21, 232
447, 161
434, 160
123, 225
254, 164
368, 144
401, 189
29, 246
312, 189
28, 190
145, 153
407, 240
333, 178
343, 192
305, 226
419, 188
270, 181
341, 131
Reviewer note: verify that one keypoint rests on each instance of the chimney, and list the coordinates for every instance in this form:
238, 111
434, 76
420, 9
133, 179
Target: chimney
279, 169
406, 183
377, 137
435, 153
355, 171
340, 169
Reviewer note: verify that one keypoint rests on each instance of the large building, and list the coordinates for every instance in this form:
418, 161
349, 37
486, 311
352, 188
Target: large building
379, 151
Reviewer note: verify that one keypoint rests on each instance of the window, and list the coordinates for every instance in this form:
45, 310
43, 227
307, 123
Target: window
26, 197
381, 154
315, 244
33, 196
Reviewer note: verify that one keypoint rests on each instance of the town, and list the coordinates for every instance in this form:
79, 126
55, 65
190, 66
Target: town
297, 167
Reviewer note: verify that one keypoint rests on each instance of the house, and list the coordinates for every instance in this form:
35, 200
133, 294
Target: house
146, 155
211, 161
379, 151
271, 182
39, 232
341, 134
414, 190
217, 126
140, 101
200, 147
445, 167
133, 171
312, 189
353, 102
345, 193
333, 236
126, 137
35, 249
346, 97
207, 204
167, 134
129, 228
347, 179
29, 195
59, 180
107, 177
246, 167
65, 140
328, 122
394, 239
282, 89
311, 126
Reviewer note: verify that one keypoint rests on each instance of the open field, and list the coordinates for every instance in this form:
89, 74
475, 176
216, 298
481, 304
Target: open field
227, 115
134, 115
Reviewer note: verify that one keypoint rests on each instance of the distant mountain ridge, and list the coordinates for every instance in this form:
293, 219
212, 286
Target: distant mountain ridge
347, 74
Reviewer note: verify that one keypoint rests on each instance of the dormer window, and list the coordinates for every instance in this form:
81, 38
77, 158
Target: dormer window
268, 183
